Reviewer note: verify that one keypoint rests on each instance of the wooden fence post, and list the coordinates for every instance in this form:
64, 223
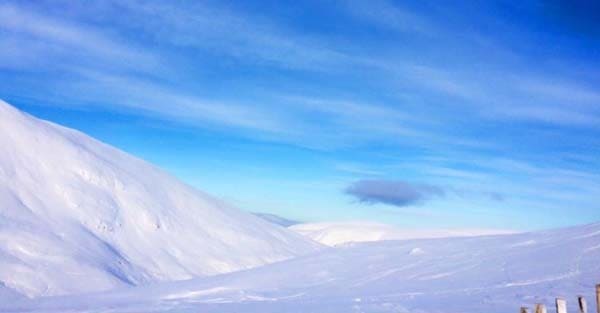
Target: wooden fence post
582, 304
524, 310
561, 305
540, 308
598, 298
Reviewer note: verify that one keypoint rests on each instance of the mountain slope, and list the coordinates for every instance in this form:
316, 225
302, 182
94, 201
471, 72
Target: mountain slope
337, 233
276, 219
453, 275
78, 215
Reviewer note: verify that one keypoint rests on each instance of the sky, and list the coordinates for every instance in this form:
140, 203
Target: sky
424, 114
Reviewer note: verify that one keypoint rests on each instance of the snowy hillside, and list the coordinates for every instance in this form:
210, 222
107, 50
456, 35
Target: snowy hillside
337, 233
276, 219
453, 275
78, 215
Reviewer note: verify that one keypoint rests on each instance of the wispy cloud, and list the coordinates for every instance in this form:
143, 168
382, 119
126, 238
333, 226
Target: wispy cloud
508, 93
385, 14
562, 91
145, 96
72, 46
48, 38
387, 79
514, 182
236, 35
356, 169
554, 115
510, 97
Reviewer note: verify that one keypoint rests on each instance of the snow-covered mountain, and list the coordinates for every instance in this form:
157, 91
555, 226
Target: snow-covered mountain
452, 275
77, 215
337, 233
276, 219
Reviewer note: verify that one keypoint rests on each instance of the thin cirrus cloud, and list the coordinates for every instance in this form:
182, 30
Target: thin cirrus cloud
385, 14
76, 48
258, 40
92, 60
379, 83
47, 38
392, 192
236, 35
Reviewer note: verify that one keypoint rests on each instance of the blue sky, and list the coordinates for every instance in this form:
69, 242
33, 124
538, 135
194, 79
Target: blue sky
425, 114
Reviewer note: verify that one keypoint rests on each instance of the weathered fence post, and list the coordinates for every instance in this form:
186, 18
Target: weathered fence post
598, 298
524, 310
541, 308
582, 304
561, 305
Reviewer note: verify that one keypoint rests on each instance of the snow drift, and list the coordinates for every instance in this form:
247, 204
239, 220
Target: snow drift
77, 215
337, 233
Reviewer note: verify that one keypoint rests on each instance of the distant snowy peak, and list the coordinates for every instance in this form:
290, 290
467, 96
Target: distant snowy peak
73, 207
337, 233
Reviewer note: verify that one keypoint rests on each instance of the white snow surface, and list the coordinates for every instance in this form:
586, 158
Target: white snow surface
337, 233
452, 275
77, 215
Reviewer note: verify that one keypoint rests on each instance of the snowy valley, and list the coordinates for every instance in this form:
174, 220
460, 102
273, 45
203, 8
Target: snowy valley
490, 273
85, 227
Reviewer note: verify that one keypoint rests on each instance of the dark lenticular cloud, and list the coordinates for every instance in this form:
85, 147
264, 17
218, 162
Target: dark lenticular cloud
397, 193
